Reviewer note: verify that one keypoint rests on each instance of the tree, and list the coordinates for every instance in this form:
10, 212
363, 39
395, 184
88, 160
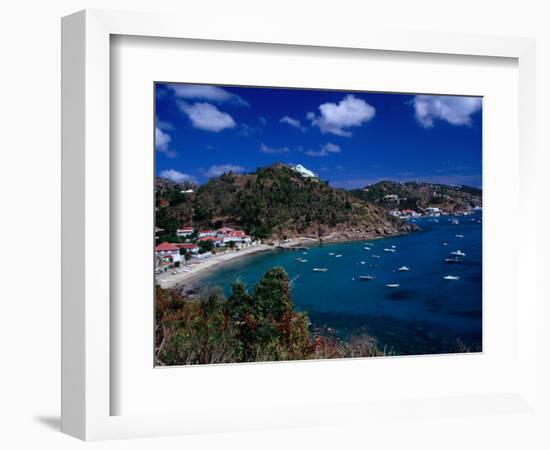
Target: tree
207, 246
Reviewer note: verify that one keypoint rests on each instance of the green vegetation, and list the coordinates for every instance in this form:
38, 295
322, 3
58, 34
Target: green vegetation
418, 196
248, 326
274, 202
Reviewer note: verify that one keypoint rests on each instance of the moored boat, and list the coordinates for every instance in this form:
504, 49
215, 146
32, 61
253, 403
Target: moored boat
453, 260
366, 277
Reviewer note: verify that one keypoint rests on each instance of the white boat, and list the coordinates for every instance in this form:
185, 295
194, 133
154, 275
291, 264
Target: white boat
459, 235
338, 256
453, 260
393, 246
331, 254
304, 253
390, 250
363, 262
367, 248
403, 269
455, 222
320, 269
375, 256
302, 260
451, 277
458, 253
366, 277
369, 244
392, 285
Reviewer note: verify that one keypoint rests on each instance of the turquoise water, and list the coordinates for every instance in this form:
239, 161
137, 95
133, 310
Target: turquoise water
425, 314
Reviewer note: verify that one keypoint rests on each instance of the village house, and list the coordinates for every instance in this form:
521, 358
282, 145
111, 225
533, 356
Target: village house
206, 233
218, 242
189, 247
410, 212
224, 231
238, 237
433, 210
167, 254
184, 232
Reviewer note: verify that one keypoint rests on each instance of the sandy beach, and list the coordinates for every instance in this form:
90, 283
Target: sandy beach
190, 274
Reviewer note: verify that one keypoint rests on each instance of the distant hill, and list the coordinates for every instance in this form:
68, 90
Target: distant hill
276, 202
419, 196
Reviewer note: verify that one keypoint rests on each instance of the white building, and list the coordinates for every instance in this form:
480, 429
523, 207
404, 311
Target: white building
207, 233
433, 210
184, 232
238, 237
167, 254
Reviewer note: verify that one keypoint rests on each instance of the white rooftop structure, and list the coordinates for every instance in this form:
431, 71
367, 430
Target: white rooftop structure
306, 173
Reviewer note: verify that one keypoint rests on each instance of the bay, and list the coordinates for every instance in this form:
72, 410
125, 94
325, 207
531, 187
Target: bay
425, 314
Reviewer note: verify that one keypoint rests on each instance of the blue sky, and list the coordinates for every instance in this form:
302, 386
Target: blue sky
350, 139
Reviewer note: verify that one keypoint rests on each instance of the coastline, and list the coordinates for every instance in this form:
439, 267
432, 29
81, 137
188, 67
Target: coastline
197, 270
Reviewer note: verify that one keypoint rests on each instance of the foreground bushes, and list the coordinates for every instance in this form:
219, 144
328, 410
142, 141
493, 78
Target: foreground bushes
246, 327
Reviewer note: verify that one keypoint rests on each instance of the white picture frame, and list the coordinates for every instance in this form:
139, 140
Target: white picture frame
86, 248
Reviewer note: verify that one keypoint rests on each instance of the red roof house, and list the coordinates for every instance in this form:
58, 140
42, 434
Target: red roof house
167, 247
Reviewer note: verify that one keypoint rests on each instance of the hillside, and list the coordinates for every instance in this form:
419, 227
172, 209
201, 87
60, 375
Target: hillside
276, 202
419, 196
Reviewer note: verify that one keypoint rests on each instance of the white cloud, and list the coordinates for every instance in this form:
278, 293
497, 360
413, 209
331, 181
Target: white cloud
248, 130
295, 123
207, 117
454, 110
325, 150
177, 177
162, 140
164, 125
335, 118
203, 92
216, 171
272, 150
262, 120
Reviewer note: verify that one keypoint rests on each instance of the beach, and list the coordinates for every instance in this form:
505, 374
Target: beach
189, 274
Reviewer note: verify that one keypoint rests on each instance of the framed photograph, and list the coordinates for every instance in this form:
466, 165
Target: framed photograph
286, 234
254, 217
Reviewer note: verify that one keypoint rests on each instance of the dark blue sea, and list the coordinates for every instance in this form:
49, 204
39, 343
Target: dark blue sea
425, 314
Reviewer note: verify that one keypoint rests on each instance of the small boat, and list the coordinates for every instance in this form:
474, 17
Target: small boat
392, 285
393, 246
320, 269
362, 262
403, 269
338, 256
369, 244
331, 254
302, 260
451, 277
444, 243
459, 235
453, 260
375, 256
389, 250
366, 277
458, 253
367, 249
455, 222
304, 253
